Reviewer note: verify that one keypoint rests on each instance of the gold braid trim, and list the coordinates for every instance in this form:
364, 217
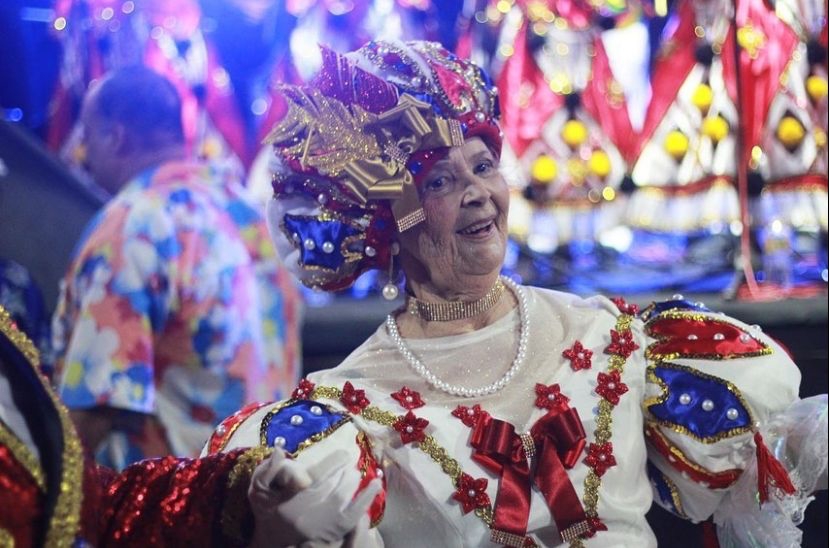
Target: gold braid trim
18, 338
65, 520
23, 455
602, 434
429, 445
235, 507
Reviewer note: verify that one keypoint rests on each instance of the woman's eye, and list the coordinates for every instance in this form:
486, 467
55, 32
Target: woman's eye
437, 184
484, 167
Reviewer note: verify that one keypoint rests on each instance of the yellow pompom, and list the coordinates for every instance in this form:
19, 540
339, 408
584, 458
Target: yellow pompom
676, 144
702, 97
820, 138
816, 87
790, 132
210, 148
544, 169
574, 133
599, 163
715, 128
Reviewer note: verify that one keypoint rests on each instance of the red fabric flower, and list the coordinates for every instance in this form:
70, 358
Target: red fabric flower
579, 356
611, 386
596, 525
411, 428
304, 389
600, 457
354, 400
624, 307
621, 343
471, 493
470, 415
550, 397
409, 399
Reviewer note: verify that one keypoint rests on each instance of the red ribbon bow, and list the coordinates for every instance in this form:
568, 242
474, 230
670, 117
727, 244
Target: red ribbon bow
558, 438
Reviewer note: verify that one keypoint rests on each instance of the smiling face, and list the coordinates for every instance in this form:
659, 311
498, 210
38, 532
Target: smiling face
464, 237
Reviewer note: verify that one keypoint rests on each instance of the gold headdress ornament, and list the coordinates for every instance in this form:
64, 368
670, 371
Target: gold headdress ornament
367, 152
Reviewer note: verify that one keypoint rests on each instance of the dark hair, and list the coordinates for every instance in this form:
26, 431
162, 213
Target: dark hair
143, 101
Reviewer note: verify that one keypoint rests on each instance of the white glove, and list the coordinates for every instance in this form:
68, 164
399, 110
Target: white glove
295, 504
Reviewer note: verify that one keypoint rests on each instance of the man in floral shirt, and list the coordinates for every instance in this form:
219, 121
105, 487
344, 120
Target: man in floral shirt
174, 312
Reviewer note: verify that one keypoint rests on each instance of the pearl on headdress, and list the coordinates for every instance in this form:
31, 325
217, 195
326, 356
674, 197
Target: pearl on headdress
685, 399
279, 441
370, 251
309, 244
316, 410
322, 198
677, 297
707, 405
296, 420
296, 237
480, 116
417, 82
732, 414
327, 247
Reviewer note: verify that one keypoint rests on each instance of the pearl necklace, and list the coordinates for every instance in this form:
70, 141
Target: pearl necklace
431, 378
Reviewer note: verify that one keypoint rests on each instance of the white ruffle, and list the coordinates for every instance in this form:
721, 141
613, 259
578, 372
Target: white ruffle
798, 438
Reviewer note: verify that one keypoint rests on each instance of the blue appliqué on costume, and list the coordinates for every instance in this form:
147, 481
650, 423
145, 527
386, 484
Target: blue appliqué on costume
663, 489
314, 418
656, 309
704, 406
320, 232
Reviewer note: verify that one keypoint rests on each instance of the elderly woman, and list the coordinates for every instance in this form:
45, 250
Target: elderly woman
485, 412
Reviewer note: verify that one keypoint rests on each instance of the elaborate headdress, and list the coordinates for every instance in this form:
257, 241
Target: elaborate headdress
349, 147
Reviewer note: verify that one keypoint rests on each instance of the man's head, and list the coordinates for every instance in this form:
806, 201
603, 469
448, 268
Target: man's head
131, 120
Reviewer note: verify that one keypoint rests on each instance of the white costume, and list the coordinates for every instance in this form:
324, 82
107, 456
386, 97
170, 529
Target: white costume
677, 396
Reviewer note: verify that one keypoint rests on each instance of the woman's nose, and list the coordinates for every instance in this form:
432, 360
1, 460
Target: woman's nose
476, 191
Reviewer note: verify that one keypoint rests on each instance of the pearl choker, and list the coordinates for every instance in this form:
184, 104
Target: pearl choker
431, 378
455, 310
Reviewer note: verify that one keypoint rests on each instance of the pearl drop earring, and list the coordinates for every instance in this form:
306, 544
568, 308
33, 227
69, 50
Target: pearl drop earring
390, 290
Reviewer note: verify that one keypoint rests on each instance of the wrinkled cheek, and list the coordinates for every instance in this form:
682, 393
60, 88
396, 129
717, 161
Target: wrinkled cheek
434, 247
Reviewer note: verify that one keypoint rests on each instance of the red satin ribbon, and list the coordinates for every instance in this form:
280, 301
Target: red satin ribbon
559, 440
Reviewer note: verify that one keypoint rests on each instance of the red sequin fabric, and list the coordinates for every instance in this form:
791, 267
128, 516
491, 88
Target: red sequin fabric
18, 490
169, 501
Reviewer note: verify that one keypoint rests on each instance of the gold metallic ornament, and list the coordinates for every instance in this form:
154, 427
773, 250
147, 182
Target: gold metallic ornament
455, 310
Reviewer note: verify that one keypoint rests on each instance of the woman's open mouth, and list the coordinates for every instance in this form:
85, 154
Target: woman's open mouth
480, 229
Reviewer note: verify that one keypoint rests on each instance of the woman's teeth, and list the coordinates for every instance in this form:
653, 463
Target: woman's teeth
477, 228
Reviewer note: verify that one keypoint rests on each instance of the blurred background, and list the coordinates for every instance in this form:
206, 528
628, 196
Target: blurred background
653, 147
